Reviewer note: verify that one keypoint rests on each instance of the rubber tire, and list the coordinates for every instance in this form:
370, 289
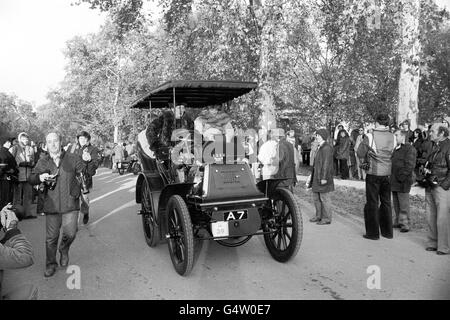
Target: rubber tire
152, 235
297, 227
176, 202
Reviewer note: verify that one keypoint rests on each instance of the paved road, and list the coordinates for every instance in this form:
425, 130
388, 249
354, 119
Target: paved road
116, 263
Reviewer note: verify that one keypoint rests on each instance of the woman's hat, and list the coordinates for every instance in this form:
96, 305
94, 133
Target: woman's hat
84, 134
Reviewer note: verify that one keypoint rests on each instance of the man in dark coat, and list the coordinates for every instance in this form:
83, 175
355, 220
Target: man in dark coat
159, 133
321, 180
57, 171
403, 163
286, 164
437, 194
91, 157
8, 170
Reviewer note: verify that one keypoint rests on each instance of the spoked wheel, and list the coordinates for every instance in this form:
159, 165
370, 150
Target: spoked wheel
286, 224
181, 237
151, 228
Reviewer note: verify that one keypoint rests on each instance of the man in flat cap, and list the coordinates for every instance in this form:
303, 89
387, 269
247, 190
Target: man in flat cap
321, 180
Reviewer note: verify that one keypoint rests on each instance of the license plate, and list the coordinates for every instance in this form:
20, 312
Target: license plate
235, 215
220, 229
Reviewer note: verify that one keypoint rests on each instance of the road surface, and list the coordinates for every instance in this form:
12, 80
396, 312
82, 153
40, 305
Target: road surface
334, 261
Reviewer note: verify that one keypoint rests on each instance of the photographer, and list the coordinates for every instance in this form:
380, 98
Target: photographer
437, 194
15, 252
57, 173
24, 155
8, 172
90, 156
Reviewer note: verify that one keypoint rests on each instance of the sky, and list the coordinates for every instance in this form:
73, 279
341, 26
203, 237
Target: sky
32, 37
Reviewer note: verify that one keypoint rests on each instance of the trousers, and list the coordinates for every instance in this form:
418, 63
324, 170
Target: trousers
322, 202
401, 208
378, 211
68, 222
437, 204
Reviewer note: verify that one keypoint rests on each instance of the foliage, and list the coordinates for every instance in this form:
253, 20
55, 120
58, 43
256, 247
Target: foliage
126, 15
18, 116
434, 90
321, 61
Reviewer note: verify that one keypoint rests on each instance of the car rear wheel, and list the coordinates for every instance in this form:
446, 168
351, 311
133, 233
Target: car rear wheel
149, 222
286, 225
181, 237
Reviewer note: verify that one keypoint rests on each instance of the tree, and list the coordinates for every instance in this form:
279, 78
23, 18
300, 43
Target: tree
434, 92
103, 76
319, 61
410, 67
18, 116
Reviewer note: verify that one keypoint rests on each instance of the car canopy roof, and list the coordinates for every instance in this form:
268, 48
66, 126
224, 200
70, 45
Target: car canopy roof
193, 94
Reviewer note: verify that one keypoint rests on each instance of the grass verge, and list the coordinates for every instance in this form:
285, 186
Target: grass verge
348, 200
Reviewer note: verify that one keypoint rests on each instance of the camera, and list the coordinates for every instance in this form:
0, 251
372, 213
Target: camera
83, 183
49, 183
428, 178
365, 165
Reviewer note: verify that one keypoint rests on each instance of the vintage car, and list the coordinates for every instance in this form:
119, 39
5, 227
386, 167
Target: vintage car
129, 166
227, 206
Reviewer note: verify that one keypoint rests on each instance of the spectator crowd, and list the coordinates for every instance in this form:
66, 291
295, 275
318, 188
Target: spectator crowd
58, 179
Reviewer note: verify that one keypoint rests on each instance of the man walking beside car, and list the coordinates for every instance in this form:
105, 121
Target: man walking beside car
57, 171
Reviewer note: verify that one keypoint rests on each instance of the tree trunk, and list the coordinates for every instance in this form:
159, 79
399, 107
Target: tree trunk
410, 72
115, 113
116, 133
266, 96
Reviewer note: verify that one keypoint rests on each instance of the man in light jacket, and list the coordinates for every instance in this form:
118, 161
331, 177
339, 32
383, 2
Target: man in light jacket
377, 149
269, 155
